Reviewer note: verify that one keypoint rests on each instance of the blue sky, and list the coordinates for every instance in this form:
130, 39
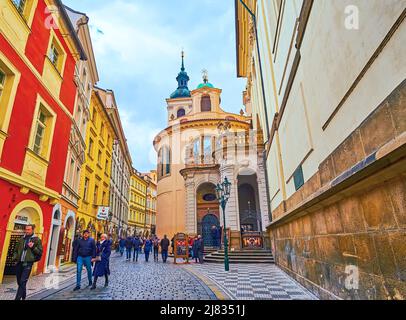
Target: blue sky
138, 56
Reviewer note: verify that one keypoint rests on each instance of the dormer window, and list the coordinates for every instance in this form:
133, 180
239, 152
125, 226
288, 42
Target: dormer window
205, 103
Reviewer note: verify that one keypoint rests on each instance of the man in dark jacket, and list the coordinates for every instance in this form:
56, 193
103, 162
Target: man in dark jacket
129, 247
200, 248
121, 244
164, 248
84, 253
136, 245
28, 251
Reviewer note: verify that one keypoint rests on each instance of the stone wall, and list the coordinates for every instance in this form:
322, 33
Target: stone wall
343, 234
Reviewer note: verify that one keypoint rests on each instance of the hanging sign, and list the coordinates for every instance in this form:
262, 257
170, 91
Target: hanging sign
103, 213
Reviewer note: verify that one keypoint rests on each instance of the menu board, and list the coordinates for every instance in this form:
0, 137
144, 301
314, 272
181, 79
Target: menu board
181, 242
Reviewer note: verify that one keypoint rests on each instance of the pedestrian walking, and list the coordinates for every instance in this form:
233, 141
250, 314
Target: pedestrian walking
155, 243
191, 241
164, 248
195, 249
128, 247
121, 244
75, 246
137, 243
28, 251
200, 248
102, 259
147, 248
85, 252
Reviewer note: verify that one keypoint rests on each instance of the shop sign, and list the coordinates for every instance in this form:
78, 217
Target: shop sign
21, 220
103, 213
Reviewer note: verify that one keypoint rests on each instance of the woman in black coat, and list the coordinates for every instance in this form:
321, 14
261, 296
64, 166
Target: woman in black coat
101, 267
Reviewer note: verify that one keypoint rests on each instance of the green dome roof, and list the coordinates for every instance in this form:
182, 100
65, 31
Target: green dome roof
205, 85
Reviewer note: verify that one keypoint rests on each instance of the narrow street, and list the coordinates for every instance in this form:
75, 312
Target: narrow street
158, 281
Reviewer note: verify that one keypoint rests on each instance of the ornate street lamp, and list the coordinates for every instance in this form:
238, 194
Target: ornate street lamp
223, 194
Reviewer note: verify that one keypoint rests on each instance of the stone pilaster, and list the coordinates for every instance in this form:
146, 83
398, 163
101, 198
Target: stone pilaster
263, 199
190, 205
232, 217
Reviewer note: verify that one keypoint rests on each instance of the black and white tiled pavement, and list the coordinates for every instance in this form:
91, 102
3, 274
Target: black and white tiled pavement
253, 281
158, 281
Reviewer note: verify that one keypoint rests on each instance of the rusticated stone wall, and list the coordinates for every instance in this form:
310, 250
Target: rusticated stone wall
343, 234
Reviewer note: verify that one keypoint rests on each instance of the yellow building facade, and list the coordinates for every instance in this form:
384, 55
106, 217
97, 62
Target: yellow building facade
96, 173
138, 201
150, 219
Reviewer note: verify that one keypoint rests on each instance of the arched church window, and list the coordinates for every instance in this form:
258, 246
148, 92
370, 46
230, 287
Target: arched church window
205, 104
181, 112
196, 150
164, 161
207, 149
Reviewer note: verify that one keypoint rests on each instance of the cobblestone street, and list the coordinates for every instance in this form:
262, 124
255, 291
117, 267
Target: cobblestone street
158, 281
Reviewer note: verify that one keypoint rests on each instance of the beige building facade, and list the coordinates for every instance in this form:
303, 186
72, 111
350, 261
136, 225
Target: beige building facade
326, 84
201, 146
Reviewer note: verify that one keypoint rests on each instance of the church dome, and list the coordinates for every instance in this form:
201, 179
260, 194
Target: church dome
205, 85
182, 91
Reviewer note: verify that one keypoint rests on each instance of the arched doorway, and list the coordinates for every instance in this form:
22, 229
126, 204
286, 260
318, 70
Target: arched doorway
211, 230
54, 237
208, 214
26, 212
68, 235
249, 210
249, 219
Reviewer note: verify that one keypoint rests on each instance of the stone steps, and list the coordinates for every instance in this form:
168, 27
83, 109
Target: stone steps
241, 256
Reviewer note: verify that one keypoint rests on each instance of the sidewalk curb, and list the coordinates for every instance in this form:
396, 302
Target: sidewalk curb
220, 294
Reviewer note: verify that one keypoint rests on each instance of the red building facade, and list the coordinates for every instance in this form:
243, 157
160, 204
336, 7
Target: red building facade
38, 53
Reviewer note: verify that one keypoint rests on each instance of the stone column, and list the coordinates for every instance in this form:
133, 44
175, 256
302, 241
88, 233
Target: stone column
232, 216
263, 200
190, 205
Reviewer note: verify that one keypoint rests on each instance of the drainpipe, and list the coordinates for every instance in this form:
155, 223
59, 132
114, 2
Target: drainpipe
265, 156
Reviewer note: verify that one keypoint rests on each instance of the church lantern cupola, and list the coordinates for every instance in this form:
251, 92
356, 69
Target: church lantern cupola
183, 79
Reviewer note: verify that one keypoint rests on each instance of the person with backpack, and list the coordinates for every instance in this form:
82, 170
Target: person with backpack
28, 251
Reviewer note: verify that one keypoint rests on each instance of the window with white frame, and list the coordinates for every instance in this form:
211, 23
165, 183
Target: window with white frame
2, 81
53, 55
40, 131
20, 5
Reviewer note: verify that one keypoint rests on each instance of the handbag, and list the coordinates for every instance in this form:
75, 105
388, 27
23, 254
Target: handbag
98, 258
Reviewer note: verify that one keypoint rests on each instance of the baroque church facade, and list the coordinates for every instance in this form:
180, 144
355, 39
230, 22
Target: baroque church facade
201, 146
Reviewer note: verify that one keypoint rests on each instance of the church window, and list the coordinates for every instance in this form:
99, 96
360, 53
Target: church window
205, 104
181, 112
164, 161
